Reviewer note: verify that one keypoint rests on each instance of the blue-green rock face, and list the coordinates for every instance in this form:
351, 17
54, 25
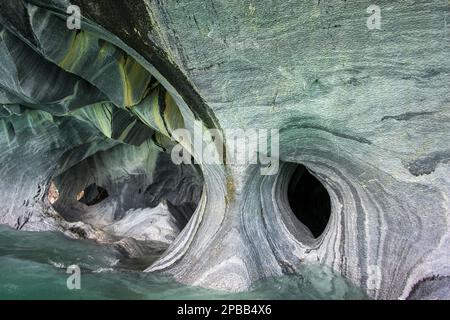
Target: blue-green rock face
88, 119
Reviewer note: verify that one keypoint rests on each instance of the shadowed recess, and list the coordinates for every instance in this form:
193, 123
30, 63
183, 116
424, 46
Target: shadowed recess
309, 200
93, 194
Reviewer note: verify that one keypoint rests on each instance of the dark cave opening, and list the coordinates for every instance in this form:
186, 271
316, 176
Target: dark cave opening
93, 194
309, 200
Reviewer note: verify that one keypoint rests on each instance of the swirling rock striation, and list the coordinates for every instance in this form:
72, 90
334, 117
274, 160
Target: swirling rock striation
366, 112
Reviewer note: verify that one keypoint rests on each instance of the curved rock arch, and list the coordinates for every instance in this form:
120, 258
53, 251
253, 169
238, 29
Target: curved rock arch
350, 113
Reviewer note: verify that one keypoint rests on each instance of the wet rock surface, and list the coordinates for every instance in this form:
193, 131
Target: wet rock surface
365, 112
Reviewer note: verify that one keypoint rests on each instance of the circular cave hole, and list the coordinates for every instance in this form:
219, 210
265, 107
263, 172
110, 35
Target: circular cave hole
309, 200
92, 195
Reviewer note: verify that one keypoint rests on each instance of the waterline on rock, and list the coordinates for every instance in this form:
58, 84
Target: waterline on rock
33, 266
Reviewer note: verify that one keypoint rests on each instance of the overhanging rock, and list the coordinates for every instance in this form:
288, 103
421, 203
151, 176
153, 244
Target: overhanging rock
365, 111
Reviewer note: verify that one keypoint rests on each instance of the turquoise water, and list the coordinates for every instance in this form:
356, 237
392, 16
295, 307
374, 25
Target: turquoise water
33, 266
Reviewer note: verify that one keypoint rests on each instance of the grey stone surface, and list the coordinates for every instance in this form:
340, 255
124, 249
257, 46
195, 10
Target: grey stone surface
367, 111
148, 224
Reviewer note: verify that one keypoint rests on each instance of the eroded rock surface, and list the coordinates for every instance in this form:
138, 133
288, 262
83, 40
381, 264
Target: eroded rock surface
365, 111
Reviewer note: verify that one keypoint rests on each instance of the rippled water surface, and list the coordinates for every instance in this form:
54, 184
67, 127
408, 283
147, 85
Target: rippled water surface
33, 266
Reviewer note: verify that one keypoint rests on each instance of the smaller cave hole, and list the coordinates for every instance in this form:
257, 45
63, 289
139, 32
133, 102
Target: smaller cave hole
92, 195
309, 200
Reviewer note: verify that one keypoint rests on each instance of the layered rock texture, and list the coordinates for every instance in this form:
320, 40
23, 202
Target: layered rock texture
363, 118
